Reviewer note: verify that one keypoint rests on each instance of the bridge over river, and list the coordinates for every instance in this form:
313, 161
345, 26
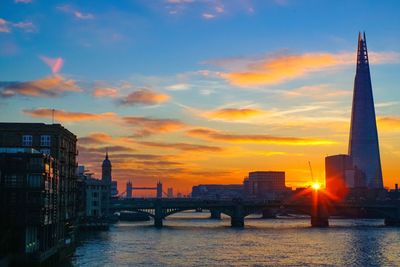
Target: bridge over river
238, 209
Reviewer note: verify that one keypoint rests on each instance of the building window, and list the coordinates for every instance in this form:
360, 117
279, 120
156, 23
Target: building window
45, 151
94, 203
12, 180
27, 140
31, 240
34, 180
45, 140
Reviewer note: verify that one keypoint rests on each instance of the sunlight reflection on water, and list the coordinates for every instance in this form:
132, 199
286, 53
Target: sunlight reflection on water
190, 239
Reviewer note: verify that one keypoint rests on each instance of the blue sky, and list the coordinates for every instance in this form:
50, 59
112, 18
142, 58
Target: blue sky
183, 62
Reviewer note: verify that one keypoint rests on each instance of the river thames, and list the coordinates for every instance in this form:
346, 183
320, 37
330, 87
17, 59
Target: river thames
191, 239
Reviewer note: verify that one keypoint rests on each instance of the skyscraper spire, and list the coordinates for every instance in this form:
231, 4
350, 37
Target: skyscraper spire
106, 152
363, 141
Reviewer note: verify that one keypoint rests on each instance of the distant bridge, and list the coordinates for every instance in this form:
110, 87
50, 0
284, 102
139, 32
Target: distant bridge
238, 209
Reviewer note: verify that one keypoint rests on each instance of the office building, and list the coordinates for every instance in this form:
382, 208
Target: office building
363, 141
264, 184
217, 191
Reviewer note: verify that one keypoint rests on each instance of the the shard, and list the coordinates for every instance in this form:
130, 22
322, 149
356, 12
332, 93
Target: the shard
363, 143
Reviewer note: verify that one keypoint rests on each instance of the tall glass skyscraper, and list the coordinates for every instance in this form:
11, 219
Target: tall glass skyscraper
363, 143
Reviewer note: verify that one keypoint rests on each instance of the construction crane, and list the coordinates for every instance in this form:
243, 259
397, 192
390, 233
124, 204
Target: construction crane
315, 185
312, 176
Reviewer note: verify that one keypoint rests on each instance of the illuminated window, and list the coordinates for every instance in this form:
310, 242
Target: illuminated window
27, 140
45, 140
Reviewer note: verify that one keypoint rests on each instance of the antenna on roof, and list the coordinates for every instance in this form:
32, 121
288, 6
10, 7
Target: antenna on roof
52, 116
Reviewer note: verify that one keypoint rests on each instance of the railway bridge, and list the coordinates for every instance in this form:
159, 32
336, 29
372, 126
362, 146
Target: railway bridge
238, 209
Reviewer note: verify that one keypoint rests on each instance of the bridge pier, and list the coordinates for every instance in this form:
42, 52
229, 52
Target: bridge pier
158, 222
215, 214
319, 212
319, 221
158, 214
237, 218
268, 214
394, 218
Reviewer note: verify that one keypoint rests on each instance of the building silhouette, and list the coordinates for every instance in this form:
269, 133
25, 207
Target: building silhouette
264, 184
106, 169
106, 176
94, 195
363, 141
341, 175
38, 176
170, 192
129, 189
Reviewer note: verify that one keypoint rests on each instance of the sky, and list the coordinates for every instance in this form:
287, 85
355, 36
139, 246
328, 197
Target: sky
198, 91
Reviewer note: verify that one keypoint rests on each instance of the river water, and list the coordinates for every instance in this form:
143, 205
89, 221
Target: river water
191, 239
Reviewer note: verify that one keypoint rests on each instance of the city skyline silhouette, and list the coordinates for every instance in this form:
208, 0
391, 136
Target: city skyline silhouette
173, 99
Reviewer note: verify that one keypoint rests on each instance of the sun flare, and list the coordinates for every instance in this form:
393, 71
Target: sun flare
316, 186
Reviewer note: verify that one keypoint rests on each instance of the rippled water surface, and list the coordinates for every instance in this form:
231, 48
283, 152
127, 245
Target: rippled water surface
191, 239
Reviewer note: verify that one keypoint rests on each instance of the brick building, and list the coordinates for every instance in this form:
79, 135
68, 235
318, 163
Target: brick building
59, 143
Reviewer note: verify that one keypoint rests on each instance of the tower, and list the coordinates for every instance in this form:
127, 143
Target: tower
106, 170
159, 189
363, 141
129, 189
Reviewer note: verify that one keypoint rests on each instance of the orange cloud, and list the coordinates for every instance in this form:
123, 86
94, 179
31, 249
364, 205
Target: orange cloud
254, 138
95, 139
389, 123
281, 68
144, 97
62, 115
101, 150
182, 146
322, 91
148, 126
55, 64
233, 113
105, 92
50, 86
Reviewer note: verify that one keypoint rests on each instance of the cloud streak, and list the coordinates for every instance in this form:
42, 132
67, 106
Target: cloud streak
76, 13
144, 97
389, 123
7, 26
281, 67
67, 116
148, 126
50, 86
254, 138
233, 113
105, 92
182, 146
